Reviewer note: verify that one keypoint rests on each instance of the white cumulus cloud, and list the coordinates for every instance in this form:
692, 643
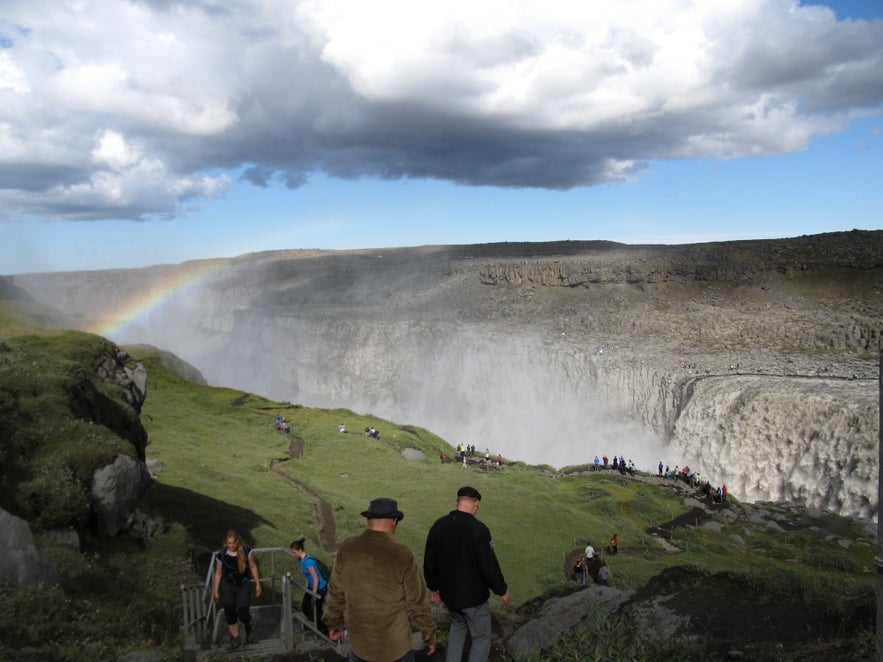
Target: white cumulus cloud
126, 108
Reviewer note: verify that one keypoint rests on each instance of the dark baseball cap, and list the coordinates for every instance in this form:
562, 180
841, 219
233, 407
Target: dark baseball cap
470, 492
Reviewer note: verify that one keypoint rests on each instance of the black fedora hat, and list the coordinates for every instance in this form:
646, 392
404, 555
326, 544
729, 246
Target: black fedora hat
384, 509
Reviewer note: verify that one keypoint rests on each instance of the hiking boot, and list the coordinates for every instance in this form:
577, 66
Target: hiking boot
235, 642
250, 636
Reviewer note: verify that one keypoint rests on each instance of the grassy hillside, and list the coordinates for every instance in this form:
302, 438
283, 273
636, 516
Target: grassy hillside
220, 463
216, 447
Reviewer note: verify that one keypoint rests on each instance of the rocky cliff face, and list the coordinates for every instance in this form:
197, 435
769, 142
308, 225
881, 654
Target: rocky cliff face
754, 362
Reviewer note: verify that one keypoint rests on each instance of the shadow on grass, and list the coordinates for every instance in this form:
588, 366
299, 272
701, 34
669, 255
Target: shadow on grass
205, 518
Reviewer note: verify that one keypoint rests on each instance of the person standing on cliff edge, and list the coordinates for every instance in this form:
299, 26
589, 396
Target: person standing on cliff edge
461, 569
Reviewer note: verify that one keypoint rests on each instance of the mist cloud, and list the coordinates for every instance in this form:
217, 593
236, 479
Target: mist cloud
119, 109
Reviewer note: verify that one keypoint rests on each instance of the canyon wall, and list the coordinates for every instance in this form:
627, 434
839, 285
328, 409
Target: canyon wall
753, 362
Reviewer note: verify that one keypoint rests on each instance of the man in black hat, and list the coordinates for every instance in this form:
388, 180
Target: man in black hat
376, 591
461, 569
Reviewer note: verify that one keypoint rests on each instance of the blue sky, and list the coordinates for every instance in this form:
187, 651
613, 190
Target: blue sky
188, 137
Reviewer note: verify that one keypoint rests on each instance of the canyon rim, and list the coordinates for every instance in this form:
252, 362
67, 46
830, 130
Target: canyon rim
753, 362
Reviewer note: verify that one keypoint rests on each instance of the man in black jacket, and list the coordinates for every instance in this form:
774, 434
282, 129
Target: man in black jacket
461, 569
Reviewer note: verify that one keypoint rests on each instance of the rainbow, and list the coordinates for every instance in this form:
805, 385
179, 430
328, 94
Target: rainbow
156, 292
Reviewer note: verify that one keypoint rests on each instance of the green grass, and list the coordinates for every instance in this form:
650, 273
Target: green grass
215, 448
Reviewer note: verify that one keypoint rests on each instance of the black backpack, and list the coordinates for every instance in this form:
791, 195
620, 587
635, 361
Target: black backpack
324, 570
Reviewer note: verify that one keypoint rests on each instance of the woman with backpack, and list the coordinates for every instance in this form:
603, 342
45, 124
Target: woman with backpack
235, 572
316, 583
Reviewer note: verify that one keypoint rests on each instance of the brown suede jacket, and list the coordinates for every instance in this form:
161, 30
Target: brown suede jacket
375, 584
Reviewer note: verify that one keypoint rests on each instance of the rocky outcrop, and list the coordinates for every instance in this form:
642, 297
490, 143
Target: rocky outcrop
22, 562
713, 355
116, 490
558, 615
170, 361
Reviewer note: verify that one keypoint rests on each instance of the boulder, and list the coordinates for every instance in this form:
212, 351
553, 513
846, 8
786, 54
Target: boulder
559, 614
116, 491
22, 562
413, 454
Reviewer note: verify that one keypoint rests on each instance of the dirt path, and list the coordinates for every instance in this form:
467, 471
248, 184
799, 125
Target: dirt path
324, 513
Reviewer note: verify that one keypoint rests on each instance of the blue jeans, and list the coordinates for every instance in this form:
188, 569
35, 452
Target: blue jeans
408, 658
475, 620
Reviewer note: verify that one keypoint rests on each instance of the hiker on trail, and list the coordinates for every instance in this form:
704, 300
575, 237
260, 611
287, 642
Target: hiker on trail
235, 572
604, 459
614, 545
461, 570
580, 573
604, 575
590, 551
595, 564
597, 463
376, 591
311, 604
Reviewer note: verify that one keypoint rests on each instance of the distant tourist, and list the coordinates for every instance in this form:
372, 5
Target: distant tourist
604, 575
595, 564
580, 574
341, 428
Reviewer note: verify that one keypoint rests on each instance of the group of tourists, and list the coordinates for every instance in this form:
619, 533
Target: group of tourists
591, 566
466, 454
693, 479
282, 425
618, 464
377, 590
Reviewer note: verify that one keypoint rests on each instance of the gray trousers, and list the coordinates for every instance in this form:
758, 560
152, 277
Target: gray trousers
477, 622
